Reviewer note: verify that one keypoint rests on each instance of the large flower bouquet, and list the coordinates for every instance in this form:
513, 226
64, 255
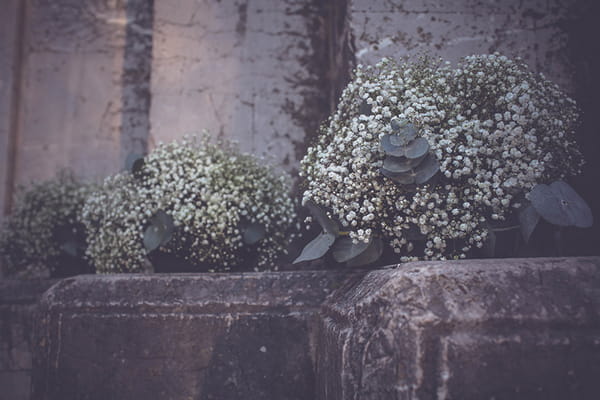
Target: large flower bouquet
204, 205
43, 236
428, 159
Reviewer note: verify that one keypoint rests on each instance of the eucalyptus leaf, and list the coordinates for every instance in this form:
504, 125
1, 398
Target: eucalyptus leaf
70, 247
345, 249
559, 204
389, 148
426, 169
369, 256
253, 233
397, 124
400, 164
489, 246
316, 248
408, 132
528, 220
159, 231
134, 163
365, 108
404, 178
417, 148
320, 215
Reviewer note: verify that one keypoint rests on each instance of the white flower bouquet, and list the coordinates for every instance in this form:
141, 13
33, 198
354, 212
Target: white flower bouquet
43, 236
205, 205
427, 159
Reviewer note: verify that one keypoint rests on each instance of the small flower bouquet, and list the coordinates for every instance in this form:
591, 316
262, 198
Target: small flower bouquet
428, 160
203, 206
43, 236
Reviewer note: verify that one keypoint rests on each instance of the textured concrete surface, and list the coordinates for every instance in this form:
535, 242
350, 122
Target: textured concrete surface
213, 336
17, 309
535, 30
477, 329
76, 95
252, 71
9, 33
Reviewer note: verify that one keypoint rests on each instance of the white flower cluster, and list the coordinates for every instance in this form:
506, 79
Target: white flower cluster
210, 192
43, 220
496, 129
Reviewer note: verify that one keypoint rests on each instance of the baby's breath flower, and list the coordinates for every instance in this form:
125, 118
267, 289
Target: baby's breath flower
211, 192
43, 227
496, 129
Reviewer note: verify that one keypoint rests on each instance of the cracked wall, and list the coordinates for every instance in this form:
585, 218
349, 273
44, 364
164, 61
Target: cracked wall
533, 30
247, 71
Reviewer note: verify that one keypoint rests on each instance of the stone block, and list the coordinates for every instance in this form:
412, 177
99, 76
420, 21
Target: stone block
204, 336
251, 71
533, 30
18, 299
477, 329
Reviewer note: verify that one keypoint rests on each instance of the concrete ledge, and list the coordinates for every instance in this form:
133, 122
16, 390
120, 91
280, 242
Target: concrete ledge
18, 300
211, 336
478, 329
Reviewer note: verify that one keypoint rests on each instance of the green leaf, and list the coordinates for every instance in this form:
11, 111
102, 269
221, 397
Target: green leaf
253, 233
345, 249
159, 232
316, 248
404, 178
320, 215
426, 169
528, 220
559, 204
418, 148
408, 132
369, 256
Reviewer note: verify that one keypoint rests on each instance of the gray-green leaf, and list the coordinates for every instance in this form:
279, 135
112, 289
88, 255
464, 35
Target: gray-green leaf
400, 164
426, 169
559, 204
404, 178
159, 232
390, 148
134, 163
316, 248
417, 148
320, 215
528, 220
253, 233
369, 256
345, 249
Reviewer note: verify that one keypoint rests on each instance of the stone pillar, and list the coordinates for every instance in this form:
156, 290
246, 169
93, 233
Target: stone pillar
252, 71
476, 329
80, 108
18, 303
203, 336
11, 20
534, 30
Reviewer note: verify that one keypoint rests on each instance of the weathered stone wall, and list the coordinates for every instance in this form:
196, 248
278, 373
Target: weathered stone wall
476, 329
252, 71
205, 336
17, 309
533, 30
10, 30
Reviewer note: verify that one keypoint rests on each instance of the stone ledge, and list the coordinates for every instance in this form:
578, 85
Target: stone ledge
204, 336
502, 329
